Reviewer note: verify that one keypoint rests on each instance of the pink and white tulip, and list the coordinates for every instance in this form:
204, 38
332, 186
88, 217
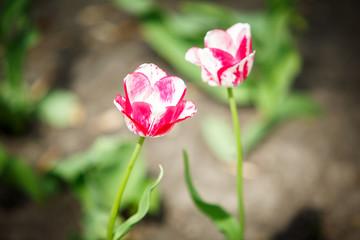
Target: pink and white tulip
153, 101
226, 59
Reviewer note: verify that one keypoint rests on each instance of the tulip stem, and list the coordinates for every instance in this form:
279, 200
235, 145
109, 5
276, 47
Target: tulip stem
241, 213
116, 205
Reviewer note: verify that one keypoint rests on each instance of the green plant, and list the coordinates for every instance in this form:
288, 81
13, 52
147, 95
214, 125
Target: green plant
17, 35
19, 106
14, 171
93, 177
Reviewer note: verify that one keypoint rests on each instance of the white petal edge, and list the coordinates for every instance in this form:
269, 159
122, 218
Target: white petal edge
118, 106
188, 111
130, 84
152, 71
238, 31
192, 56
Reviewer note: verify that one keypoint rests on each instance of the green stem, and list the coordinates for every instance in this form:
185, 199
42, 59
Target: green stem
241, 214
115, 207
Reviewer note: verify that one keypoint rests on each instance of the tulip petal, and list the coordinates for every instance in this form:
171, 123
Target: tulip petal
241, 35
192, 56
152, 72
120, 102
188, 110
173, 115
220, 39
237, 32
137, 87
212, 60
236, 74
244, 49
140, 118
170, 90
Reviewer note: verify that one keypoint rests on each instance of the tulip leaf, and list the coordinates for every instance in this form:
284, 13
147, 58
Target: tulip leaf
226, 223
257, 131
139, 7
220, 138
143, 208
60, 109
285, 71
15, 171
299, 105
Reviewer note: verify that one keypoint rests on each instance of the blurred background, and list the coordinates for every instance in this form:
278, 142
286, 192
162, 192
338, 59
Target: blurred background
64, 143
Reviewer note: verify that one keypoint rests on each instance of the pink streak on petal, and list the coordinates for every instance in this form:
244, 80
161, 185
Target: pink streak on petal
245, 70
236, 74
141, 116
132, 126
238, 31
250, 44
232, 76
243, 50
173, 115
250, 62
213, 60
165, 123
165, 89
173, 90
121, 101
224, 58
221, 40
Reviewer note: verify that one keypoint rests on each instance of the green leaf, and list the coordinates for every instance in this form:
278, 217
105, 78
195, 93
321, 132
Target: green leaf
220, 138
143, 208
257, 131
226, 223
17, 172
299, 105
275, 86
3, 158
60, 109
139, 7
285, 71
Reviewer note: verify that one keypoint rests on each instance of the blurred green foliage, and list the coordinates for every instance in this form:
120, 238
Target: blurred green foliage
59, 109
14, 171
94, 177
18, 105
17, 35
276, 66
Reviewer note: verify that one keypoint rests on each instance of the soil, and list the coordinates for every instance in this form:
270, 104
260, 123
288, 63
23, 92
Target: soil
302, 182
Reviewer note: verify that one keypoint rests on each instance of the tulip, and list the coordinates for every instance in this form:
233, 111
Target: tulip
226, 59
153, 101
152, 105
